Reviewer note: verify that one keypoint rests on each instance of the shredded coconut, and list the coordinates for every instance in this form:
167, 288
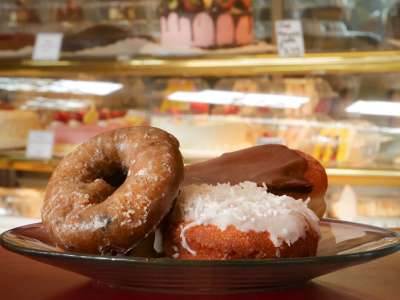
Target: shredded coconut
248, 207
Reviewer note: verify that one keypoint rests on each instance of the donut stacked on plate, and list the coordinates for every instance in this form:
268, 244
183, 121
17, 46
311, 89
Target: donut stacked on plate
240, 221
113, 191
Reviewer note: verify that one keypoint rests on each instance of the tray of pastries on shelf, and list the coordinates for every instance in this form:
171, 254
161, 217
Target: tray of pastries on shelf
303, 113
373, 205
334, 144
72, 128
306, 113
22, 12
192, 27
74, 110
98, 28
19, 19
15, 125
392, 27
328, 26
130, 28
21, 202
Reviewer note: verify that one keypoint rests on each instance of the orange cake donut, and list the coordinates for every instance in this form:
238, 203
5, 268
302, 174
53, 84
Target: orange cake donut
240, 221
113, 190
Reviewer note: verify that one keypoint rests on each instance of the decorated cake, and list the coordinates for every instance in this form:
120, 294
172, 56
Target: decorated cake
24, 202
206, 23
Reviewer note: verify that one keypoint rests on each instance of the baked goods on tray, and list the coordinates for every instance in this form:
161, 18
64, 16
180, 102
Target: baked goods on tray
114, 190
15, 126
95, 36
15, 41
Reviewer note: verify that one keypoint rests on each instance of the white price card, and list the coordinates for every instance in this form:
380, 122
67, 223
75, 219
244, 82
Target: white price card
269, 141
40, 144
289, 37
47, 46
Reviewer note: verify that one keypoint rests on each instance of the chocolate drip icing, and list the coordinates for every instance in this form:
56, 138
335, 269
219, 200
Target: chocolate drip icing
280, 168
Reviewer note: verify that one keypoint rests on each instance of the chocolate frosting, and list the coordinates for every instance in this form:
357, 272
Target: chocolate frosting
280, 168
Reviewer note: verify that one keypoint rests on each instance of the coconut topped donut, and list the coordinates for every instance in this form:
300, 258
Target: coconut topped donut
284, 171
240, 221
113, 190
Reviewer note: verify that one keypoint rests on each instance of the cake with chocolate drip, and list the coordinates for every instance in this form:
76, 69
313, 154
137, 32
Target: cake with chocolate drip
206, 23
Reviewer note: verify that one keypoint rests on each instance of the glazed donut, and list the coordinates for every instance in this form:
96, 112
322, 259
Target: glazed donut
316, 175
283, 170
239, 222
113, 190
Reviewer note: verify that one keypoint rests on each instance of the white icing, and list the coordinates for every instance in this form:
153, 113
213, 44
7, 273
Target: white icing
278, 252
248, 207
158, 241
142, 172
184, 242
122, 146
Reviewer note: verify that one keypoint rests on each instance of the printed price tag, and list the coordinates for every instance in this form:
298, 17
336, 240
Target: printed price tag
269, 141
289, 36
40, 144
47, 46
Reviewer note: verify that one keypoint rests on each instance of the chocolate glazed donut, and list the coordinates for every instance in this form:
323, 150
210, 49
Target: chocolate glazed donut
113, 190
283, 170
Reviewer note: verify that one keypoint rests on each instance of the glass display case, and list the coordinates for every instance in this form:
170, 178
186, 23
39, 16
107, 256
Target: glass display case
124, 28
338, 103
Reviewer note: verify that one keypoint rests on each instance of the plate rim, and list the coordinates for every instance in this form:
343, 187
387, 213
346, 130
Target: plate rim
364, 255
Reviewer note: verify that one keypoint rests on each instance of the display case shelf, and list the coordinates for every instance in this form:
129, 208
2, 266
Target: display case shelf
28, 165
238, 65
369, 177
337, 176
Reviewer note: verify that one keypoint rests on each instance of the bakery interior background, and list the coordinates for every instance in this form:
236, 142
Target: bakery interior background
219, 75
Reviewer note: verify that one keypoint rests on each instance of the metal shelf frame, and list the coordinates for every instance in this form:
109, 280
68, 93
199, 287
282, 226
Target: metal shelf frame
211, 66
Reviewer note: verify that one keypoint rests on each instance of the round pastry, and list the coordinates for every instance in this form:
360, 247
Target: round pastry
282, 170
239, 221
316, 175
113, 190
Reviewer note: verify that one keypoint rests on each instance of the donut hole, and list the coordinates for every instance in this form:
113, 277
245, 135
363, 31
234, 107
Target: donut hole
114, 176
103, 181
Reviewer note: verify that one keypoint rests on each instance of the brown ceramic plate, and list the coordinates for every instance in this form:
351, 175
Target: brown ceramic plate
343, 244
